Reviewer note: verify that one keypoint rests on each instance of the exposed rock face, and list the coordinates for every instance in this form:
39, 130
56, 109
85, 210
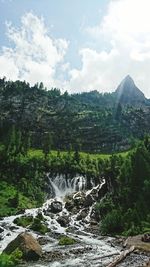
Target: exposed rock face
128, 93
55, 207
27, 244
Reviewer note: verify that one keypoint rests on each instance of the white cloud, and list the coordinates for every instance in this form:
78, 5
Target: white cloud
125, 30
35, 55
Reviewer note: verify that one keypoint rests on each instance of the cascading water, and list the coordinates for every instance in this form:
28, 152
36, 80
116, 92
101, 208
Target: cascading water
91, 250
62, 186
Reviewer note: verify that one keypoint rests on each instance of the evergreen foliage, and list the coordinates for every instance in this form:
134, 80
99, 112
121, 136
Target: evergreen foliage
49, 120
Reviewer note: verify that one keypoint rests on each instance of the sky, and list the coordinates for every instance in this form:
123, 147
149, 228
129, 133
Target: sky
77, 46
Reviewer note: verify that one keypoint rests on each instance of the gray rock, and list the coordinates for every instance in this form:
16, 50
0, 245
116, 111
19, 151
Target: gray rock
55, 207
1, 230
63, 221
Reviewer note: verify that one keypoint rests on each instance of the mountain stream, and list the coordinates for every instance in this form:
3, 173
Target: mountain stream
75, 221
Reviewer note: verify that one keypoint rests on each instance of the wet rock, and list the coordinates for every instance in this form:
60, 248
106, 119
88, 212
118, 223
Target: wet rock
78, 201
94, 193
29, 246
55, 207
89, 200
4, 224
43, 240
102, 191
8, 234
47, 213
78, 251
63, 221
53, 256
146, 238
1, 230
95, 215
93, 223
82, 215
69, 205
20, 211
12, 228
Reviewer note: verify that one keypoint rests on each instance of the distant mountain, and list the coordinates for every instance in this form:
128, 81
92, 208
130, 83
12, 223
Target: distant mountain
127, 93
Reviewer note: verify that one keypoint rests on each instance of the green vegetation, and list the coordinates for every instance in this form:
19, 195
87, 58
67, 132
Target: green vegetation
125, 209
11, 260
23, 172
24, 221
36, 224
11, 200
39, 226
66, 240
45, 131
90, 122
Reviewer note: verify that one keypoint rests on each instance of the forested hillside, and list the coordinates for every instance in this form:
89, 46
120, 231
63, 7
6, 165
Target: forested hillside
87, 121
37, 126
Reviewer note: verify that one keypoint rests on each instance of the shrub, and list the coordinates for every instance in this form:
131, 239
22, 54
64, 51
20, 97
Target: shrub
112, 223
38, 226
66, 240
6, 261
24, 221
10, 260
16, 256
134, 230
104, 206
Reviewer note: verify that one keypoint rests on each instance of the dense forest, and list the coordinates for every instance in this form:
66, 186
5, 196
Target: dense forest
91, 122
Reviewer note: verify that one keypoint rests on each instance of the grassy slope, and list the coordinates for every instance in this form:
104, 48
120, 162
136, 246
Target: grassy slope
37, 153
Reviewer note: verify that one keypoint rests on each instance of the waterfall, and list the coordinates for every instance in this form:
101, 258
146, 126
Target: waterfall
61, 186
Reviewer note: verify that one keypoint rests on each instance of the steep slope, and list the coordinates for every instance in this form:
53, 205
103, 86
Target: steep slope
90, 121
127, 93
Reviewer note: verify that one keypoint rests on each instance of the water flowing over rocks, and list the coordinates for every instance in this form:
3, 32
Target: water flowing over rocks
69, 211
27, 244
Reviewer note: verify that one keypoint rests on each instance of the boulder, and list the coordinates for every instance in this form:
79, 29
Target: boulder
69, 205
63, 221
56, 207
79, 199
29, 246
1, 230
82, 215
146, 238
89, 200
13, 228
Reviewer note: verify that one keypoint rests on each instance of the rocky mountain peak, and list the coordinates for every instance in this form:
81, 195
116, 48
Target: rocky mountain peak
128, 93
